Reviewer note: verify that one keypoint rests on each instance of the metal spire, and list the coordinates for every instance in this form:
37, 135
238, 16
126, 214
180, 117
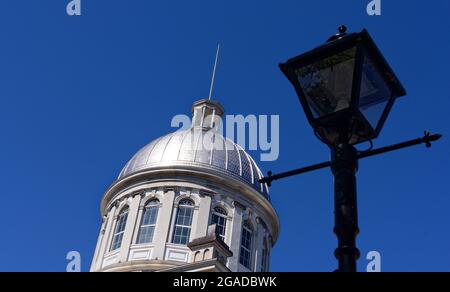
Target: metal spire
214, 72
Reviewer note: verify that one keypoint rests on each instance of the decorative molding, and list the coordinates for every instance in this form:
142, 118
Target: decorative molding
251, 213
139, 193
169, 189
262, 222
193, 197
207, 193
239, 205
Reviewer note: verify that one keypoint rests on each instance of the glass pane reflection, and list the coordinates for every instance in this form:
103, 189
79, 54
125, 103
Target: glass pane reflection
328, 83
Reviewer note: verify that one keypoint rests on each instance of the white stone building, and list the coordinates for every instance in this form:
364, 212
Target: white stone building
188, 201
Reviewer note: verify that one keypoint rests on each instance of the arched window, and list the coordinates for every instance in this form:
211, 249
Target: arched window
219, 217
120, 229
149, 216
183, 222
245, 253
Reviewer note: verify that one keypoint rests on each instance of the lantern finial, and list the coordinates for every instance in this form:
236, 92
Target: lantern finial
342, 31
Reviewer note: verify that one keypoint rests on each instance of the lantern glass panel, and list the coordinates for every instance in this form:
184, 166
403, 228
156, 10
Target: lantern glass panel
327, 84
375, 93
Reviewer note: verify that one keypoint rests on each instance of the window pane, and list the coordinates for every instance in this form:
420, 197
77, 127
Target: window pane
186, 203
327, 84
246, 247
219, 218
374, 94
183, 222
117, 242
181, 235
146, 235
149, 218
119, 231
264, 258
220, 211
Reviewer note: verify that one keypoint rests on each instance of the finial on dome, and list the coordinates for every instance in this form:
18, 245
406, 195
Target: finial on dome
213, 80
207, 114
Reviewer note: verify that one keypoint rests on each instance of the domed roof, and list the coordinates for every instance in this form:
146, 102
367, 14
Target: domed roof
198, 147
201, 147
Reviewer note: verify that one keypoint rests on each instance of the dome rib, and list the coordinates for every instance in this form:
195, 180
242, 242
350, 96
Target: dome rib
185, 133
152, 146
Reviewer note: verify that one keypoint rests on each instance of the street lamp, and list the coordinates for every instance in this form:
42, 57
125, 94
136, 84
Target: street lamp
347, 90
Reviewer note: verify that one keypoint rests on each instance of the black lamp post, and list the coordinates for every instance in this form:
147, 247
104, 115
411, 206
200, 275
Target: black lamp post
347, 90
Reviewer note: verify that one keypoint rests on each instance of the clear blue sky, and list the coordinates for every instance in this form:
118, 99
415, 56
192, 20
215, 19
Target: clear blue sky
80, 95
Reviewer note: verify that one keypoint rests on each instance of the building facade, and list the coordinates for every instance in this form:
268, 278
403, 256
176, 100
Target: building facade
188, 201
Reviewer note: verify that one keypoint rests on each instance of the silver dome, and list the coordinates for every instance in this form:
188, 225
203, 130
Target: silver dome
198, 147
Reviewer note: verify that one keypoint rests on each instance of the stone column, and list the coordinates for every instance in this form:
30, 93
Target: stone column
105, 239
258, 245
129, 228
163, 224
99, 242
236, 229
201, 218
